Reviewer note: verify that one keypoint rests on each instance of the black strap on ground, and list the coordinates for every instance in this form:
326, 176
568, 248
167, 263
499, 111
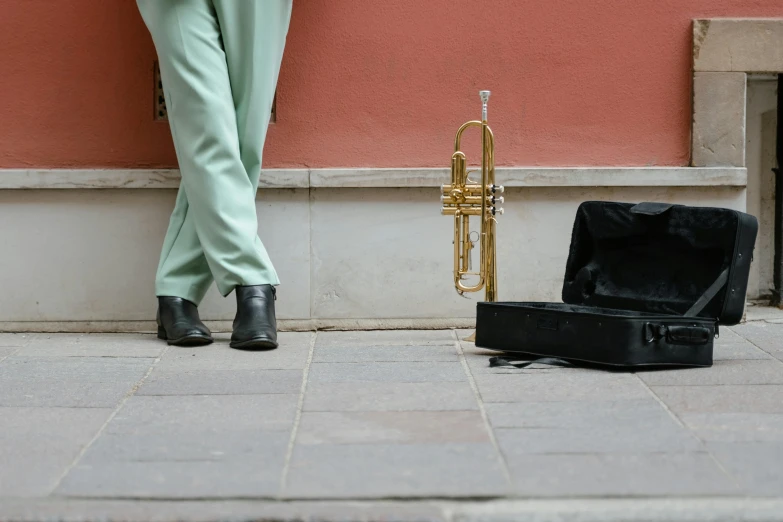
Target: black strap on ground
500, 362
711, 292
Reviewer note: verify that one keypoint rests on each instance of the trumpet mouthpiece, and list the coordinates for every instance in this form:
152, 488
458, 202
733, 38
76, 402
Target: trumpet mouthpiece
484, 99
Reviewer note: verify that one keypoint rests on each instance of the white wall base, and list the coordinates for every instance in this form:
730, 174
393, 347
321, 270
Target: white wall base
84, 260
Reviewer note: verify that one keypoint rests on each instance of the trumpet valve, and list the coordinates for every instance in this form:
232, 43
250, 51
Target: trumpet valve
498, 200
496, 211
498, 188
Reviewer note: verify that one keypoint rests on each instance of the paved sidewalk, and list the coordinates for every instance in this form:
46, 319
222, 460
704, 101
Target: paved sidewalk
387, 425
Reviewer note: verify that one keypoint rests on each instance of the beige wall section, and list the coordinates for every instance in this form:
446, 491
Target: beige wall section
738, 44
761, 130
734, 116
719, 119
346, 256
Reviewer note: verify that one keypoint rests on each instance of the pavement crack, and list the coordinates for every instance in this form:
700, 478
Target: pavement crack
482, 409
762, 349
298, 417
127, 396
680, 422
11, 353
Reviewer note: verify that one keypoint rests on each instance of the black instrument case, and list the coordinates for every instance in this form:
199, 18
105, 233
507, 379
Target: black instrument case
645, 285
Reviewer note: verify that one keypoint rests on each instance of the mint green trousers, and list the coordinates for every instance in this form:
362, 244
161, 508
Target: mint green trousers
219, 63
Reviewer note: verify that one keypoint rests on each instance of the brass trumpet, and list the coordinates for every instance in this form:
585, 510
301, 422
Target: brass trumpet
464, 198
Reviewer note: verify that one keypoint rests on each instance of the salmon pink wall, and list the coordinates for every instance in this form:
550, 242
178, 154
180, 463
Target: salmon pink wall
375, 83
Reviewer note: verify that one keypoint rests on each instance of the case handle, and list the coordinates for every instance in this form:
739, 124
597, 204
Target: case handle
649, 208
677, 334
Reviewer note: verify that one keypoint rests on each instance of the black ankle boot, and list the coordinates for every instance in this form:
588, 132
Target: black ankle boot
255, 326
179, 323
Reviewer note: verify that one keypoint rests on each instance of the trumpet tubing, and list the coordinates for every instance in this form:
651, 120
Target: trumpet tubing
463, 198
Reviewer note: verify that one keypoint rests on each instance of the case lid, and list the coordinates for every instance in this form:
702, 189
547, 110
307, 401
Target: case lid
661, 258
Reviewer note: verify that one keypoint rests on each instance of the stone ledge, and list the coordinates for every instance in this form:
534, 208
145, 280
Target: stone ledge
126, 179
37, 179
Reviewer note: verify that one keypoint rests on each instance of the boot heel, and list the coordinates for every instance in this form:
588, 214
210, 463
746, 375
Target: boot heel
162, 333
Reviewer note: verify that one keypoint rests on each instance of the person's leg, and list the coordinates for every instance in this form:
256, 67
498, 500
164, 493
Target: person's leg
183, 270
254, 35
215, 211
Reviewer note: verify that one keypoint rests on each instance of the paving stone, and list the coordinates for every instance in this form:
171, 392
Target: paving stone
667, 437
736, 427
722, 372
396, 470
387, 372
643, 414
64, 394
291, 355
741, 350
382, 396
5, 351
390, 427
767, 336
386, 337
561, 384
649, 474
94, 345
69, 381
249, 477
757, 466
82, 369
350, 354
208, 445
729, 336
38, 444
14, 339
620, 510
522, 510
177, 416
189, 446
221, 382
78, 510
722, 399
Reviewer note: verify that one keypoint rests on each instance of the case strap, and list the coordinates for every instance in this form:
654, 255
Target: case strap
711, 292
495, 362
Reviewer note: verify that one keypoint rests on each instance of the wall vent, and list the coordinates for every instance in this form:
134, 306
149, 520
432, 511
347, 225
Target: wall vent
159, 101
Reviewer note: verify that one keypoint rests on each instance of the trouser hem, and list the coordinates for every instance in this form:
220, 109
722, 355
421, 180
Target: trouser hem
186, 292
226, 289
